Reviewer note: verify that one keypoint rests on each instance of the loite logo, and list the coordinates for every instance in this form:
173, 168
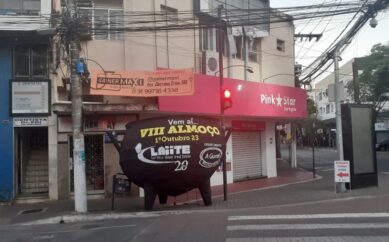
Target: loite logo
210, 157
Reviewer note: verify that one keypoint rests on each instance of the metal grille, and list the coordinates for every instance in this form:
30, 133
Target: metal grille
246, 155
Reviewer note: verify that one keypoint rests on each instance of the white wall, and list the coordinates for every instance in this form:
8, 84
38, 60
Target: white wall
268, 146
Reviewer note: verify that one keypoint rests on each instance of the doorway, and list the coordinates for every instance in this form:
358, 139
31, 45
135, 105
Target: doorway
31, 161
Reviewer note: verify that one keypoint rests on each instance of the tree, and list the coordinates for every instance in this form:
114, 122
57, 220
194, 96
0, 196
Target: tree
374, 81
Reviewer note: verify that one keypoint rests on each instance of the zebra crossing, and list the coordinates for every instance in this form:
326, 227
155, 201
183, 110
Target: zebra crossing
342, 227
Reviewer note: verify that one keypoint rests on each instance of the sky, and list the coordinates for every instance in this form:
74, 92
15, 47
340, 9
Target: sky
306, 52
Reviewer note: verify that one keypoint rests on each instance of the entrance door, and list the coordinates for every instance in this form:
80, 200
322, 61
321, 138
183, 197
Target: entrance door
31, 160
94, 162
246, 155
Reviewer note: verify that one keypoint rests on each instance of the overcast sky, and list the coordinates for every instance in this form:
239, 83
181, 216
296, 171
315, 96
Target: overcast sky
306, 51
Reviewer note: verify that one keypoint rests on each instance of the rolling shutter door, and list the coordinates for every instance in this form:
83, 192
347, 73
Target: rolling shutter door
246, 155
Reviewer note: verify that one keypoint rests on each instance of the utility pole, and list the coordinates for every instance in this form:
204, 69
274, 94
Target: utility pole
371, 12
80, 197
221, 83
338, 114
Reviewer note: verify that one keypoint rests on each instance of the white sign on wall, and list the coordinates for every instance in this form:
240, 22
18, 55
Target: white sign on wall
30, 122
30, 97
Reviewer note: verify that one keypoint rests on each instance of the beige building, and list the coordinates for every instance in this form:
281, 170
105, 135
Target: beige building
256, 53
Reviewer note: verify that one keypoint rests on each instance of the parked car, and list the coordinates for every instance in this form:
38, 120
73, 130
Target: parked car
383, 145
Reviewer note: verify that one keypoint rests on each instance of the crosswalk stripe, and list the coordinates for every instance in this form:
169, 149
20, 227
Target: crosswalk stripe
307, 226
312, 239
310, 216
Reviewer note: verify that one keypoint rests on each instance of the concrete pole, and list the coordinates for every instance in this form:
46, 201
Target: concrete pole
80, 198
338, 114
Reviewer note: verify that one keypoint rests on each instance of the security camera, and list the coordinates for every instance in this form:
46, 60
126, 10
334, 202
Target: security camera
373, 22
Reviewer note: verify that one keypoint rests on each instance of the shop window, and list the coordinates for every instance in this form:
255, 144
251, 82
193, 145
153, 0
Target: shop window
20, 7
30, 61
280, 45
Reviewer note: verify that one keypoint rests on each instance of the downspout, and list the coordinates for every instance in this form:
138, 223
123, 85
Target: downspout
245, 53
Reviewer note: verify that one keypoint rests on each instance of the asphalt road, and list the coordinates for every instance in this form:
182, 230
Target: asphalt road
318, 221
335, 218
325, 157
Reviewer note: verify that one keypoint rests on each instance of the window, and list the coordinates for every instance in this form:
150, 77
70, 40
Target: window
327, 108
20, 7
208, 38
320, 96
280, 45
332, 107
253, 43
103, 23
30, 61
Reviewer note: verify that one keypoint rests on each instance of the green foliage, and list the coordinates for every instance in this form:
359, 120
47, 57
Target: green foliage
374, 80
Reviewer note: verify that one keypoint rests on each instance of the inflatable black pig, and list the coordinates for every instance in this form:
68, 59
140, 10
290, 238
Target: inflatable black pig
169, 156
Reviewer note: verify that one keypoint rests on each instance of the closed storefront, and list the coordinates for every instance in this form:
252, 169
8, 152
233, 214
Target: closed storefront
246, 155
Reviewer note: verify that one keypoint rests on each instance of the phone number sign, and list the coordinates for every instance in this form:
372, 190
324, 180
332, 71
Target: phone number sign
171, 82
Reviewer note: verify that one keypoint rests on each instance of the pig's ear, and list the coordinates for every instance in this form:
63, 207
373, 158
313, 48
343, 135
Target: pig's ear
138, 148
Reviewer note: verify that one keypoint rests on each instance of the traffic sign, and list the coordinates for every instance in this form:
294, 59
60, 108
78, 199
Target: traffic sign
342, 171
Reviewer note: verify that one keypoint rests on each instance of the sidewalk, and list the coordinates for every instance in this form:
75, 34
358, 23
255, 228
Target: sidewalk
20, 213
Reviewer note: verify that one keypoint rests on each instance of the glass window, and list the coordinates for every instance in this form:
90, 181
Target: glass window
280, 45
30, 61
101, 24
22, 61
20, 7
253, 50
116, 24
39, 60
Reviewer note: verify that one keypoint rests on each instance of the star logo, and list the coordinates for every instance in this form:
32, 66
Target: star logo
279, 100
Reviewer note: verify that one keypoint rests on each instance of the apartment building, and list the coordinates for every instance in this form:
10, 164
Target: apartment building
259, 68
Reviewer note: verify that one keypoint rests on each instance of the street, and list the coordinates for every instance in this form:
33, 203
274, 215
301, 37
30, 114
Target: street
301, 212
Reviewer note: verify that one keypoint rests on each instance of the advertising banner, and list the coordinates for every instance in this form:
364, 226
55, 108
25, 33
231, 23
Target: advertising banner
172, 154
143, 83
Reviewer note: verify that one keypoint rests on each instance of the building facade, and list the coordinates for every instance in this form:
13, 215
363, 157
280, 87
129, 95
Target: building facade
258, 67
323, 94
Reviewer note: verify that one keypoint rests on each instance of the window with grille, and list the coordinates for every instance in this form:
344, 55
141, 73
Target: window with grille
30, 61
102, 23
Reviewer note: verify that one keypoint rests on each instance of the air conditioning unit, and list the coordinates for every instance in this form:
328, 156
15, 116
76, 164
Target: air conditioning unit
210, 63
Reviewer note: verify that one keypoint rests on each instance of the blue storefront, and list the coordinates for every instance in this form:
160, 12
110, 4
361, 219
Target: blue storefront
6, 127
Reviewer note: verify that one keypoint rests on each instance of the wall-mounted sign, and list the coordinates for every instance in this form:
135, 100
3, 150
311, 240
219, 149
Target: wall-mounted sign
238, 125
30, 97
143, 83
31, 122
251, 99
172, 155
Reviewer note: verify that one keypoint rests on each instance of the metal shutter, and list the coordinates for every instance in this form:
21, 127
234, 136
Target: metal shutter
246, 155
